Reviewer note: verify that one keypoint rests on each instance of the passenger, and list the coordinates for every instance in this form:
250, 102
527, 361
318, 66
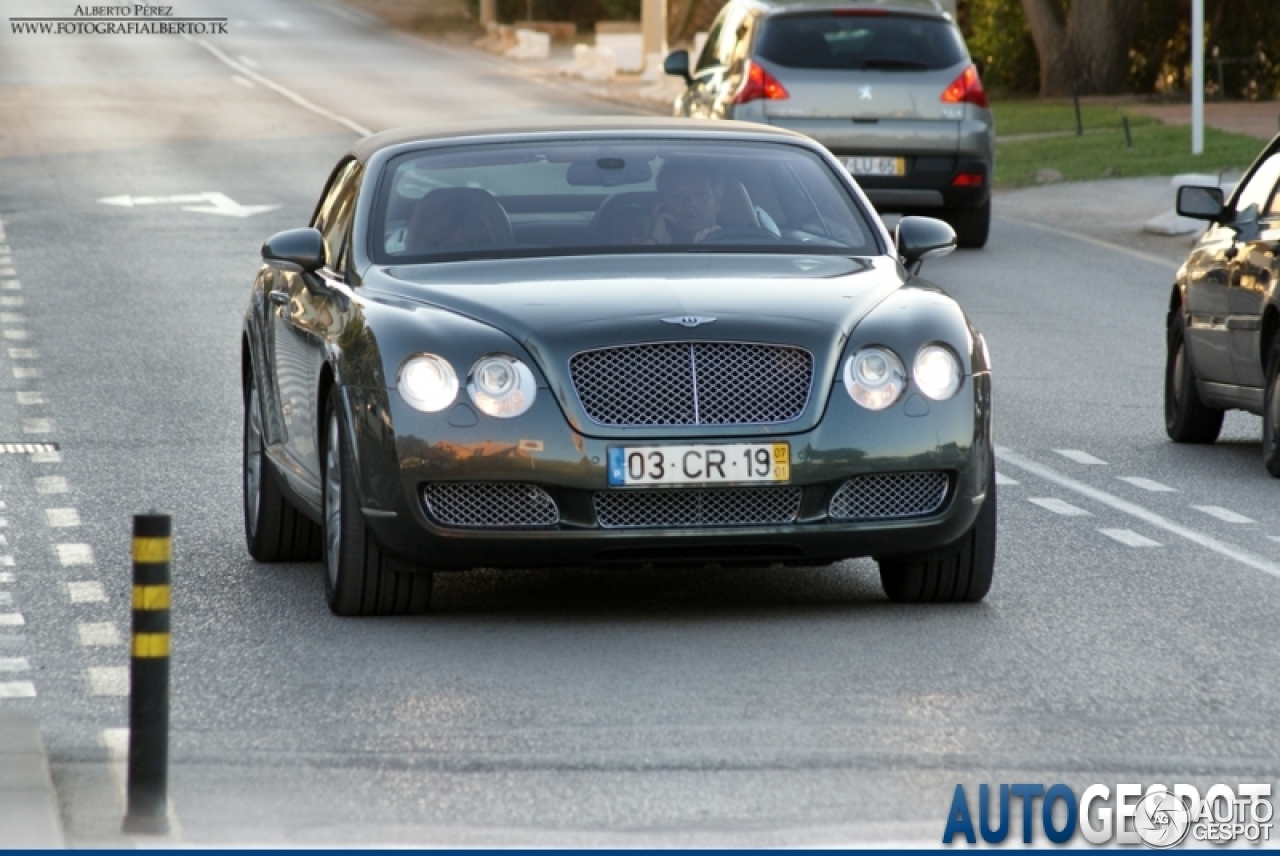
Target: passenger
456, 218
688, 204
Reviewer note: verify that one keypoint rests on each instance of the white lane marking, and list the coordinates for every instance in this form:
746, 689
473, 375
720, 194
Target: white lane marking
4, 541
287, 93
1148, 484
1134, 510
37, 426
14, 664
244, 81
26, 374
99, 635
1001, 478
3, 522
109, 680
8, 271
6, 577
86, 591
10, 284
1057, 506
6, 598
74, 554
12, 318
51, 484
24, 354
11, 300
1129, 538
6, 561
46, 457
17, 335
61, 518
1128, 251
1226, 515
244, 59
12, 619
18, 689
1080, 457
28, 398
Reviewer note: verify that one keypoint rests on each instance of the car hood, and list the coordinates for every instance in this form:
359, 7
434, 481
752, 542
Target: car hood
559, 307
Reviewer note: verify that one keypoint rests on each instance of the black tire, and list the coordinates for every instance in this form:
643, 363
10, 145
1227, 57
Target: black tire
359, 578
972, 225
1186, 418
960, 572
1271, 412
274, 530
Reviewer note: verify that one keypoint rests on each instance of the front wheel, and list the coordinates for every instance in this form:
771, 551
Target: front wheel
1186, 418
274, 530
359, 578
960, 572
1271, 413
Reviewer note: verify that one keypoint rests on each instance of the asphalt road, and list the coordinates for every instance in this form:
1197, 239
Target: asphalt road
1129, 635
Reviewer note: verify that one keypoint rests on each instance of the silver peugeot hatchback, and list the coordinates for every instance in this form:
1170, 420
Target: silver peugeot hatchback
886, 85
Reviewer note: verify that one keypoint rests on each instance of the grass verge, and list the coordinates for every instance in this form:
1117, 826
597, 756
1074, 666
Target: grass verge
1050, 117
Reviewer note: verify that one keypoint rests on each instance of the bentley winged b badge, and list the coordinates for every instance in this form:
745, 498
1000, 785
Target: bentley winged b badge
688, 320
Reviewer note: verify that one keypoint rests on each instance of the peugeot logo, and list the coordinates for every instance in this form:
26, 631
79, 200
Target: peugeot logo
864, 93
688, 320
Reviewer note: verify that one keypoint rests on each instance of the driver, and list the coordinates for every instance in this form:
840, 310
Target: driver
688, 204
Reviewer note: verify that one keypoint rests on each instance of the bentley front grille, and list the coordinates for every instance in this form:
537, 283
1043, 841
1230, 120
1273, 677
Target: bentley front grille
753, 506
693, 383
490, 505
887, 495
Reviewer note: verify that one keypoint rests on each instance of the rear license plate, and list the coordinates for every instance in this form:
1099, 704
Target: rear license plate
876, 166
699, 464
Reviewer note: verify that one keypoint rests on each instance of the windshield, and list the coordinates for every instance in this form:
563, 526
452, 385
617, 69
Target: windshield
578, 198
839, 40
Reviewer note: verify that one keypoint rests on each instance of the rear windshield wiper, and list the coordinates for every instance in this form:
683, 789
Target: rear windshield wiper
890, 63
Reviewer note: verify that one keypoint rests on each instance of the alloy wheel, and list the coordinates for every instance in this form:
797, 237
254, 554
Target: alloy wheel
332, 501
253, 462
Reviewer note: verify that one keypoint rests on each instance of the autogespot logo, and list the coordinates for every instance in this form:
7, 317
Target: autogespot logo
1158, 816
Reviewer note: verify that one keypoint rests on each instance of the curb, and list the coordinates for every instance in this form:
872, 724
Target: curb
29, 815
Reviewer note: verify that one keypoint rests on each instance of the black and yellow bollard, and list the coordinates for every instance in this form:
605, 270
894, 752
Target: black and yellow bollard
149, 677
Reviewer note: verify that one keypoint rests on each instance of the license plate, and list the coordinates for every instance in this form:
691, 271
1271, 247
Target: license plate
876, 166
699, 464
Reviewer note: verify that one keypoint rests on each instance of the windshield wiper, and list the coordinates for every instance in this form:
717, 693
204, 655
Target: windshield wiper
889, 63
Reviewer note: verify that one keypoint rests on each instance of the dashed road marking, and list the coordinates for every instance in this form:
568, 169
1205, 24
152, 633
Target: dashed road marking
46, 457
1001, 478
1129, 538
23, 353
1057, 506
1226, 515
61, 518
20, 373
51, 484
1222, 548
3, 522
244, 81
1080, 457
1148, 484
6, 598
86, 591
12, 318
37, 426
17, 335
99, 635
109, 680
11, 300
28, 398
17, 689
12, 619
6, 577
74, 554
6, 562
14, 664
10, 284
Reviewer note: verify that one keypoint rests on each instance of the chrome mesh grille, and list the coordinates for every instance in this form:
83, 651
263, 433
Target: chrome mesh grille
696, 383
886, 495
622, 509
490, 505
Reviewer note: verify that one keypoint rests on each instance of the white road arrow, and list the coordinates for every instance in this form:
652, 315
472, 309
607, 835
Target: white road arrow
215, 203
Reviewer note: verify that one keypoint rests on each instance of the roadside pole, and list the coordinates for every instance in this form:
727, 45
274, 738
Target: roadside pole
1197, 77
653, 26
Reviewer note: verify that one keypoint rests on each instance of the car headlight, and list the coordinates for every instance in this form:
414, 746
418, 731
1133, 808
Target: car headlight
501, 386
874, 377
936, 372
428, 382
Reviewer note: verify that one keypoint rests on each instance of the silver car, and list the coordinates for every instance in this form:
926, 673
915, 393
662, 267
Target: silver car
887, 85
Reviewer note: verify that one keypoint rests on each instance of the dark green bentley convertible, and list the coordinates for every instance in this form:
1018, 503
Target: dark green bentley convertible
610, 342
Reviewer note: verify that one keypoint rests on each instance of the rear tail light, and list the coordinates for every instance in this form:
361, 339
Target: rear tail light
758, 83
967, 179
966, 89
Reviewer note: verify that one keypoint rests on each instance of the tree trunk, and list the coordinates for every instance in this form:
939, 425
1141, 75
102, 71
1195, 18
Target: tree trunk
1089, 51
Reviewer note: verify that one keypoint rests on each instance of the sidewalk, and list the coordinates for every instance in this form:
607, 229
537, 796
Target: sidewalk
29, 817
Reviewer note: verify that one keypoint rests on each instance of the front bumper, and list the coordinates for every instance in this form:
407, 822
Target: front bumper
395, 464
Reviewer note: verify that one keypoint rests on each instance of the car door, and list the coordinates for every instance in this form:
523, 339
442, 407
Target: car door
706, 96
1257, 241
303, 315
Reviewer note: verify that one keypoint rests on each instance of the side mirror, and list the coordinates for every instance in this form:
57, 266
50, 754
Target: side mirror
920, 238
1200, 203
677, 65
298, 250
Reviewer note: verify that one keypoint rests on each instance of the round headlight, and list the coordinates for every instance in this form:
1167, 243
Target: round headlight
428, 382
936, 372
874, 377
501, 386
